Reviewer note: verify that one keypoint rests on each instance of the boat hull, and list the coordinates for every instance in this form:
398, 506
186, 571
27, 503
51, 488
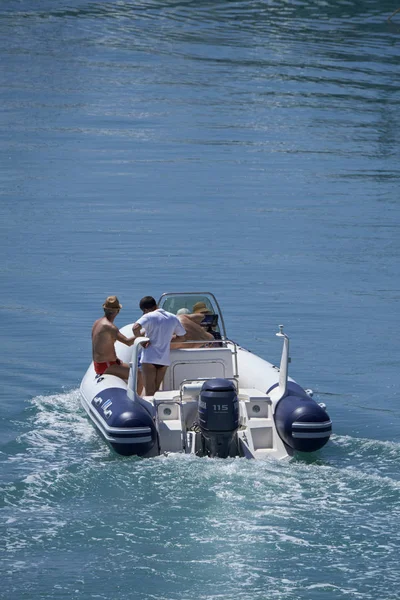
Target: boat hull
146, 426
126, 425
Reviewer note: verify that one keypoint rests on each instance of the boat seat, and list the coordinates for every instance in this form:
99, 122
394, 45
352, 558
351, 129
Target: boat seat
197, 363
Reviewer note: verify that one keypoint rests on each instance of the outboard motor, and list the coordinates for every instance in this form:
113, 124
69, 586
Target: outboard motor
218, 416
302, 424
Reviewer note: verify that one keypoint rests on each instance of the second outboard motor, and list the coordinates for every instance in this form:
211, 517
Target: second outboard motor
218, 416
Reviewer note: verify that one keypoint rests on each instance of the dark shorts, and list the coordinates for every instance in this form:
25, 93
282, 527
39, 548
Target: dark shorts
103, 366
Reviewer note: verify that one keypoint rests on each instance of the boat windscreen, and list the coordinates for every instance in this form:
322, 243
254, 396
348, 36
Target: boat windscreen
180, 303
174, 303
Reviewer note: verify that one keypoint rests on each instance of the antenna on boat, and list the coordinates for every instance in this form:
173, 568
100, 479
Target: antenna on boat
284, 366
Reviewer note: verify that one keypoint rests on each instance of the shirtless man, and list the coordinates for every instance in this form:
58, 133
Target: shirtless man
104, 336
194, 331
160, 327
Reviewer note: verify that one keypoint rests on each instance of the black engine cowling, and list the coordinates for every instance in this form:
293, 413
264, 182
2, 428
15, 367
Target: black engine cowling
218, 416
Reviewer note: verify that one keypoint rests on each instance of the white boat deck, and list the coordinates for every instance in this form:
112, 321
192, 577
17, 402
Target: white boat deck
176, 411
198, 363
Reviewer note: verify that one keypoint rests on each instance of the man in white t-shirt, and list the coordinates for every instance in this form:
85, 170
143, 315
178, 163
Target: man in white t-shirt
160, 327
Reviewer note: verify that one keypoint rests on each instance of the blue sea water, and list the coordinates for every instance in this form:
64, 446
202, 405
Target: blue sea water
249, 148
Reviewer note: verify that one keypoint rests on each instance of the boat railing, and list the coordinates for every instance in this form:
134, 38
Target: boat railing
209, 345
234, 351
133, 367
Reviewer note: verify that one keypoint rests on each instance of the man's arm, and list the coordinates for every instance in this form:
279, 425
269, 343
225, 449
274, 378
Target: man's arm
177, 338
179, 330
136, 330
125, 340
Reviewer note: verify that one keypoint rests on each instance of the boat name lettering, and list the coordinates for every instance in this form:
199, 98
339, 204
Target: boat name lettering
106, 408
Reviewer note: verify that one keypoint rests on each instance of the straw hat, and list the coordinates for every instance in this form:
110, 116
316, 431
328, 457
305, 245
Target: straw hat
201, 307
112, 303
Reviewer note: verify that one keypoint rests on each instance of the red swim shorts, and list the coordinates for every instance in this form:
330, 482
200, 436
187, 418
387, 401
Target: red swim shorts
101, 367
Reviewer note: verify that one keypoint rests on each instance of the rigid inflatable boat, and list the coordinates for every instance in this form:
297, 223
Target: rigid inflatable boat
217, 400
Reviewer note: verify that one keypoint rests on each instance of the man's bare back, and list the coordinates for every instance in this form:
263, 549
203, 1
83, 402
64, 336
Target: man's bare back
194, 331
104, 336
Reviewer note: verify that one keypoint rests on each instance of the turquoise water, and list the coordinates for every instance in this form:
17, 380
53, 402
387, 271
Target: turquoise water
246, 148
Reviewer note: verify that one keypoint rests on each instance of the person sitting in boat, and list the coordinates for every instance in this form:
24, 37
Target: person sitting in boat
104, 336
201, 308
160, 327
194, 331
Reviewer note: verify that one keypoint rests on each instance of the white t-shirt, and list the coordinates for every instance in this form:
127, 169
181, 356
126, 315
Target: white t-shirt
159, 326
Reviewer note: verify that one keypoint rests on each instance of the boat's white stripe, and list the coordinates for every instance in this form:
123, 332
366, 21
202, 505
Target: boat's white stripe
129, 430
312, 425
311, 434
124, 440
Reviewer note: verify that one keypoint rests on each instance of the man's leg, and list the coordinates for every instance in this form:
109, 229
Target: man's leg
160, 374
139, 385
121, 370
149, 378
